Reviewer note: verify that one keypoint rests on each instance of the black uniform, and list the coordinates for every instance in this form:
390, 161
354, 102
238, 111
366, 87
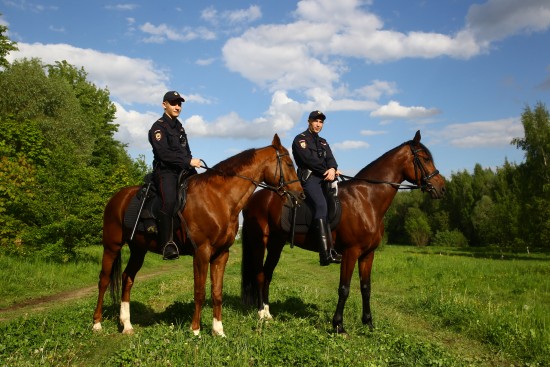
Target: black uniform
172, 155
312, 152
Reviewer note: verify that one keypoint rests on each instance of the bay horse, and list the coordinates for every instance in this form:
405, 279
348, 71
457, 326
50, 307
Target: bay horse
210, 221
364, 200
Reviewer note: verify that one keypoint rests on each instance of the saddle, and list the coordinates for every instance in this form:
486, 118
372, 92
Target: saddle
147, 221
304, 212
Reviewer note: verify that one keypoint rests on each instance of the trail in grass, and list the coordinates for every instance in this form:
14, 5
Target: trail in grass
46, 302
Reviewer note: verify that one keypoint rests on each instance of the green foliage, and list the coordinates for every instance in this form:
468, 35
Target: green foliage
452, 238
417, 227
6, 45
60, 162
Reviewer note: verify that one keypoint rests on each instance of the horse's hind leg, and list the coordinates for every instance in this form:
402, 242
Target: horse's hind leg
110, 254
135, 262
365, 268
274, 249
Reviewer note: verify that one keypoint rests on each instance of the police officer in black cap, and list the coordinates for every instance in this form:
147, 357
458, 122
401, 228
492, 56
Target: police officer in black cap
172, 157
317, 165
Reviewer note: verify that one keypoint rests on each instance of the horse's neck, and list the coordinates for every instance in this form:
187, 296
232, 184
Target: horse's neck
387, 170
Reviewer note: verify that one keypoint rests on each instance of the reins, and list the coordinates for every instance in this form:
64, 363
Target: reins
278, 189
418, 167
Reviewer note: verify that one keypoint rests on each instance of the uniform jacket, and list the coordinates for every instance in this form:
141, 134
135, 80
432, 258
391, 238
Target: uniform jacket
170, 146
312, 152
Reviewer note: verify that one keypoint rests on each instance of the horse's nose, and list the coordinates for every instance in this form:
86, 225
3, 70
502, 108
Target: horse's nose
302, 196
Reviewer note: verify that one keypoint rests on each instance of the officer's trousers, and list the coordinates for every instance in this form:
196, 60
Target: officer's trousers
313, 188
167, 182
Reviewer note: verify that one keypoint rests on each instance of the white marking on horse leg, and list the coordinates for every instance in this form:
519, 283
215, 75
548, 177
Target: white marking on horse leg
264, 313
125, 318
217, 328
97, 326
196, 332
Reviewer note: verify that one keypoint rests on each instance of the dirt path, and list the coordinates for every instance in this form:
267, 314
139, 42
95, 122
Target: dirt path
46, 302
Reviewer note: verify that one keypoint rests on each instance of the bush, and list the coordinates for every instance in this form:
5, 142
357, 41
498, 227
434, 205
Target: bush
452, 238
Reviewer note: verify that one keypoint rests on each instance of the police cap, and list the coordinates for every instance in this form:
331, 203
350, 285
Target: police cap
173, 96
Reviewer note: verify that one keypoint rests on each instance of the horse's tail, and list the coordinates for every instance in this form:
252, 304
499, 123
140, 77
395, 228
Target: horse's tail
249, 288
116, 279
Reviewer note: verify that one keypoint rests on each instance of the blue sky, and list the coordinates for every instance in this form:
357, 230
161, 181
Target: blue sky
461, 72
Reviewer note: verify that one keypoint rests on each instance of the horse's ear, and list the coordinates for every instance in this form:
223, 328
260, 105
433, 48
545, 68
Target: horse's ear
417, 137
276, 141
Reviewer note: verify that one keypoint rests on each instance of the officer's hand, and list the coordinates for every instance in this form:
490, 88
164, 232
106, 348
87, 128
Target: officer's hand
196, 162
330, 174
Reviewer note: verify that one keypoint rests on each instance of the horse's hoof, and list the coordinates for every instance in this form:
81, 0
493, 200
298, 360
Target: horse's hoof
97, 327
339, 329
128, 331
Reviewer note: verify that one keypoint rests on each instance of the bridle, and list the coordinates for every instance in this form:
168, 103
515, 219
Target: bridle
425, 177
421, 176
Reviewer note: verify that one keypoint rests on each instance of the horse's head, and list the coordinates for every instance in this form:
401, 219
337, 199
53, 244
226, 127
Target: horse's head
422, 169
283, 176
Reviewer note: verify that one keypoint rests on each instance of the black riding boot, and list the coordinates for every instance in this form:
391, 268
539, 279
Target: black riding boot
165, 237
325, 254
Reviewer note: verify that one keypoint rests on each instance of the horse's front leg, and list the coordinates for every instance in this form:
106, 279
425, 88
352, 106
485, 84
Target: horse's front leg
349, 257
200, 272
217, 269
135, 263
365, 267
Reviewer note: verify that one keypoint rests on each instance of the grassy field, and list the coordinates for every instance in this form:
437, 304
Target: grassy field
431, 307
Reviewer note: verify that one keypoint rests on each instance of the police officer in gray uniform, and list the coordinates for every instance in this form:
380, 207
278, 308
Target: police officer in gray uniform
317, 165
172, 157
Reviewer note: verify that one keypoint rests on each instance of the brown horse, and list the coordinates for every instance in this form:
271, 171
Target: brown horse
364, 200
210, 223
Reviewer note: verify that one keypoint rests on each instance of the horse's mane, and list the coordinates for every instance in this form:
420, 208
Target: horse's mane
228, 167
389, 152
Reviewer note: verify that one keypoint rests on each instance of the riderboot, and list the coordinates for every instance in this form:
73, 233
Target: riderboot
325, 255
165, 237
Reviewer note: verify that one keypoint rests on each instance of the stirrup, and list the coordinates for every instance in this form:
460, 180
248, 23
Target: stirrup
335, 255
170, 251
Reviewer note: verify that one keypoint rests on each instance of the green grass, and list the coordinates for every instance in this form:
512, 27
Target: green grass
431, 307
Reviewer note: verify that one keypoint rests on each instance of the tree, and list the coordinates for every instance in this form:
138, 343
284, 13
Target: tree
6, 45
417, 227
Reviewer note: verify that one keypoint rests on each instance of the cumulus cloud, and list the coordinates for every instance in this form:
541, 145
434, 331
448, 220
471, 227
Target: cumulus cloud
129, 80
350, 144
162, 33
393, 110
274, 55
497, 133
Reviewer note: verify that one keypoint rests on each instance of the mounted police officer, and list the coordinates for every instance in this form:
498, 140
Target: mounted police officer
317, 166
172, 158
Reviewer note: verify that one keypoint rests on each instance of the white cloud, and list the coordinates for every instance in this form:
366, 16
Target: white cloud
350, 144
123, 7
309, 52
231, 17
129, 80
162, 33
205, 62
498, 19
498, 133
372, 132
394, 110
134, 126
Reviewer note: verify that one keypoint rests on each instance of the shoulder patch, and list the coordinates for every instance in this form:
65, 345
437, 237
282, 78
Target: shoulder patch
302, 143
158, 135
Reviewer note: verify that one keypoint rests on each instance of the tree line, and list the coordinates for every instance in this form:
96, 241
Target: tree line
508, 207
60, 163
